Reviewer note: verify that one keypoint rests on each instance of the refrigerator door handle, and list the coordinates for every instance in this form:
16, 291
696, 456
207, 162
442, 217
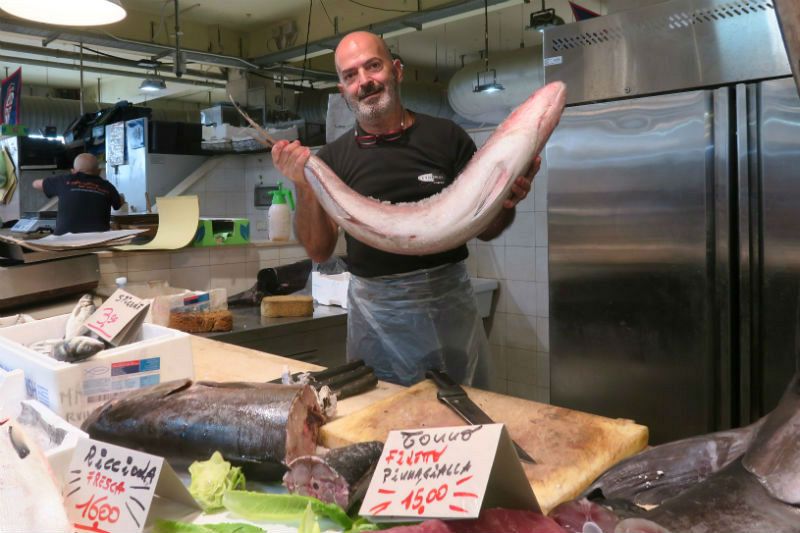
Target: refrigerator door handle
747, 249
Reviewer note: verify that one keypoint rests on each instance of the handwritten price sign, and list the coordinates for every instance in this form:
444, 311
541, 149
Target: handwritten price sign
109, 489
444, 473
116, 317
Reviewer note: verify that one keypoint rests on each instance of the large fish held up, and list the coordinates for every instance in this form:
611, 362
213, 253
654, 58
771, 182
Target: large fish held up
460, 212
259, 426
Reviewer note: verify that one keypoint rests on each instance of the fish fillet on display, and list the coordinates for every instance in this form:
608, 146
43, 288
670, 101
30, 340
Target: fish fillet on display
29, 498
259, 427
460, 212
341, 476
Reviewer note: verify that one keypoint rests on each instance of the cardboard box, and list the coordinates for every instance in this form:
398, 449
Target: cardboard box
330, 289
73, 390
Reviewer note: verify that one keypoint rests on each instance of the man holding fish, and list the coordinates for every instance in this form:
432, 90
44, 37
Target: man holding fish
407, 313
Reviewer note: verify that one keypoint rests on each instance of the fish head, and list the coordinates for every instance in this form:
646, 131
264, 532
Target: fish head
11, 436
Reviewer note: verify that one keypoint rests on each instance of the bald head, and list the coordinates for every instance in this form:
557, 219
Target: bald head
86, 163
360, 43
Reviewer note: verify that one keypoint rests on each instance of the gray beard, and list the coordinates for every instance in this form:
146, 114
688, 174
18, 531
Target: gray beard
365, 112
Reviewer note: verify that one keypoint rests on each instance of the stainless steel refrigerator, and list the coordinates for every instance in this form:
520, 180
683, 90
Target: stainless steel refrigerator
674, 216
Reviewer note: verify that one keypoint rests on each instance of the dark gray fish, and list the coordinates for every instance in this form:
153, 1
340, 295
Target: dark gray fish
77, 349
341, 476
757, 492
662, 472
730, 501
259, 426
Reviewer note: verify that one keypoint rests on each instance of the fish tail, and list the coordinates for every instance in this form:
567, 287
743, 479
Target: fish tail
265, 138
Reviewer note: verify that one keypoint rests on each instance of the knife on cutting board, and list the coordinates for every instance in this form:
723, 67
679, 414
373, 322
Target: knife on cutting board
455, 397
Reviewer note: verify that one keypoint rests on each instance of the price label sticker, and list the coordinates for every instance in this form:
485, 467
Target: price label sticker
445, 473
110, 489
117, 317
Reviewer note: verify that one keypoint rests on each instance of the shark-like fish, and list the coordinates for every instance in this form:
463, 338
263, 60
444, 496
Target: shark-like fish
460, 212
737, 481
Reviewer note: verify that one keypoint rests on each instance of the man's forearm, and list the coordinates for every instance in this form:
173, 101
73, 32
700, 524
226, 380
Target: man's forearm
313, 227
499, 224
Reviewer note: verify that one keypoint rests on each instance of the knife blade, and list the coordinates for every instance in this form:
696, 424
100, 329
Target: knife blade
454, 396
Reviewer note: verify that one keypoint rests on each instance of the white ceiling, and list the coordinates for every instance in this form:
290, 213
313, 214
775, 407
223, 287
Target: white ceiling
437, 45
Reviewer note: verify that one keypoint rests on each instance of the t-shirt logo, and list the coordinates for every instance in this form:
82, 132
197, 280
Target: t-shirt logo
435, 179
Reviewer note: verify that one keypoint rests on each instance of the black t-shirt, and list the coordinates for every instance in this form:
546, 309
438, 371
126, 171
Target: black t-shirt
84, 202
426, 159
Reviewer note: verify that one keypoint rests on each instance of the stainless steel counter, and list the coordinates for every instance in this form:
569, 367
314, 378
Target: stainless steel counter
318, 339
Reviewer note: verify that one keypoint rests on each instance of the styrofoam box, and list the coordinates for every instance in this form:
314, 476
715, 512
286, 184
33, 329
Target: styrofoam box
73, 390
330, 289
59, 456
12, 391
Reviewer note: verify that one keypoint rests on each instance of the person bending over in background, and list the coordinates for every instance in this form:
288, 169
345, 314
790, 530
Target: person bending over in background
85, 199
406, 314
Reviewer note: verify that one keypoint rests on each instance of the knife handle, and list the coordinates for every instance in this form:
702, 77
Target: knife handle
444, 382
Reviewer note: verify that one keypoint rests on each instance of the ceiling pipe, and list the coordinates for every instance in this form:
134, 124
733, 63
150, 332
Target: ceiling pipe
111, 41
55, 53
98, 70
406, 22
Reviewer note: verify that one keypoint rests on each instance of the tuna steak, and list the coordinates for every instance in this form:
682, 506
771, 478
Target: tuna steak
341, 476
461, 211
257, 426
29, 498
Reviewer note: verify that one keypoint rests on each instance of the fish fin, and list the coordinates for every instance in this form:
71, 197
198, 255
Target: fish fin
266, 140
490, 190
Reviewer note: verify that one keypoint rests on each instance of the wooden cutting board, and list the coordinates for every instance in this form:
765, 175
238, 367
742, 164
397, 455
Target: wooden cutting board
571, 447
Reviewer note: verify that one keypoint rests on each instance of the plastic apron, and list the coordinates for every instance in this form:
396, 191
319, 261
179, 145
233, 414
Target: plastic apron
404, 324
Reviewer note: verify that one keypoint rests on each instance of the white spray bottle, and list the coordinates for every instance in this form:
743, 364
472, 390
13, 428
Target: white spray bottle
280, 214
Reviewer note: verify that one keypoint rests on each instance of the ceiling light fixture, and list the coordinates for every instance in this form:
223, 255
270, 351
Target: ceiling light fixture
152, 85
544, 18
486, 86
63, 13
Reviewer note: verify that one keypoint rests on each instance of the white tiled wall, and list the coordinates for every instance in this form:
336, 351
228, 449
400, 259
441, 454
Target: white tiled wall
229, 190
519, 335
231, 267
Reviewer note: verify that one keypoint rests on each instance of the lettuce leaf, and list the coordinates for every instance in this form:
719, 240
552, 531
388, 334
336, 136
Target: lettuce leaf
211, 479
263, 507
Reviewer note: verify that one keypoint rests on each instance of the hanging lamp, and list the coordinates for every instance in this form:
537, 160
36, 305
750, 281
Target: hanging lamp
66, 12
484, 85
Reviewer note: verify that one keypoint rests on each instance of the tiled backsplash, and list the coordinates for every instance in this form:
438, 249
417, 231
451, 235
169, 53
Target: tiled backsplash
233, 268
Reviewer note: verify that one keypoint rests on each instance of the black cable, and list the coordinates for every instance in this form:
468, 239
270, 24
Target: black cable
326, 14
133, 61
382, 9
305, 51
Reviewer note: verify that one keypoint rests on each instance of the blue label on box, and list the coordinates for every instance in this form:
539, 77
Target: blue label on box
148, 365
147, 381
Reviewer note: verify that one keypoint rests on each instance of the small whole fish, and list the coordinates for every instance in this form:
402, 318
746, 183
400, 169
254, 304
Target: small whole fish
77, 349
29, 498
341, 476
82, 311
461, 211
